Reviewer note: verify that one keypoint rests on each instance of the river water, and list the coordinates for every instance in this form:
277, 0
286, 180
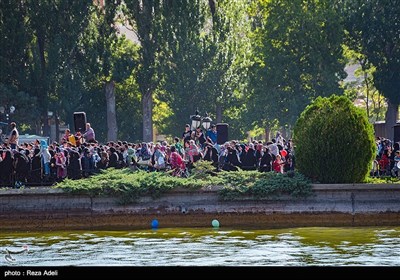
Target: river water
369, 246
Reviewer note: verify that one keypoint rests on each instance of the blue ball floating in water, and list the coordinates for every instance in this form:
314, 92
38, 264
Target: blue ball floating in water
154, 223
215, 223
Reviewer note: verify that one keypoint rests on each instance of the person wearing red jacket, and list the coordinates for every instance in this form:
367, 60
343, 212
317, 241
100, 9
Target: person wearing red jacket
277, 165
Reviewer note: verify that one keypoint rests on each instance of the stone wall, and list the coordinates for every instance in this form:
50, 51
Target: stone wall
331, 205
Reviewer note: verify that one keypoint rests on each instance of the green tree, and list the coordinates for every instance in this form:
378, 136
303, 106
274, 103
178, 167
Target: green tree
56, 27
182, 61
110, 59
229, 50
373, 30
13, 43
38, 47
22, 101
362, 91
145, 18
298, 57
334, 141
203, 58
129, 110
14, 70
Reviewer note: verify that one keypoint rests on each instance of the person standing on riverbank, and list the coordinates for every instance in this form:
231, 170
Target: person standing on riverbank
89, 134
14, 136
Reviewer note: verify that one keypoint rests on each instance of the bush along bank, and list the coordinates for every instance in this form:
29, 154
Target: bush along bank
128, 186
334, 142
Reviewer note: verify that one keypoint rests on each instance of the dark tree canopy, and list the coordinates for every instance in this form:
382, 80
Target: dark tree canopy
253, 64
298, 55
373, 30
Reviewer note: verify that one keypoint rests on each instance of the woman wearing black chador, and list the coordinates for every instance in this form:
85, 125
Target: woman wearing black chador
75, 167
22, 166
36, 171
6, 168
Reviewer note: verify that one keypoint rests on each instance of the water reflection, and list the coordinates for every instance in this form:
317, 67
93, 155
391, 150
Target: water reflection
182, 247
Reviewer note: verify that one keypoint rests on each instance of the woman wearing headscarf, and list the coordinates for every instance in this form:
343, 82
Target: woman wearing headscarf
22, 166
36, 170
6, 168
61, 163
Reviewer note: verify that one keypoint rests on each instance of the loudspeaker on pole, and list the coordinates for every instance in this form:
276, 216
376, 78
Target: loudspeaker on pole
222, 133
396, 133
80, 121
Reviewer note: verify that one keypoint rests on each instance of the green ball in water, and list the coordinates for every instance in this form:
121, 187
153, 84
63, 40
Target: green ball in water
215, 223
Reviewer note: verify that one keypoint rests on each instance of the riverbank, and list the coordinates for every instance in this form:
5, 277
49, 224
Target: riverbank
44, 208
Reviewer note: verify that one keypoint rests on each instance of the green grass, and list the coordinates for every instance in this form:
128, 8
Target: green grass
128, 186
263, 185
382, 180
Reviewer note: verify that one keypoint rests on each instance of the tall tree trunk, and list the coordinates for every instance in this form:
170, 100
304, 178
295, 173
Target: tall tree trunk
219, 113
391, 118
57, 118
112, 128
46, 126
42, 87
267, 133
38, 126
147, 107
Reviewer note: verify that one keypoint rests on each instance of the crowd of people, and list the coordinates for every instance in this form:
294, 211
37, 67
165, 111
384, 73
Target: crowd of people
80, 155
387, 161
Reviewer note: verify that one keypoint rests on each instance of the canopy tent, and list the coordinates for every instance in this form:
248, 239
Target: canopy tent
29, 138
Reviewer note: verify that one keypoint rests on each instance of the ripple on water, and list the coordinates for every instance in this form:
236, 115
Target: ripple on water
183, 247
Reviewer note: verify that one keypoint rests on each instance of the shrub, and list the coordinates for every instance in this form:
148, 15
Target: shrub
257, 185
128, 186
334, 141
203, 170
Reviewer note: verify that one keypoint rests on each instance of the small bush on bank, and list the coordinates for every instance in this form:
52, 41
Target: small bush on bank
203, 170
334, 141
129, 186
258, 185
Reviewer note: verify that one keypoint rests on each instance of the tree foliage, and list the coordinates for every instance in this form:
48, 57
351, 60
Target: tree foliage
37, 47
334, 141
56, 27
22, 101
145, 17
183, 61
362, 90
249, 63
112, 59
298, 56
373, 30
60, 54
203, 59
